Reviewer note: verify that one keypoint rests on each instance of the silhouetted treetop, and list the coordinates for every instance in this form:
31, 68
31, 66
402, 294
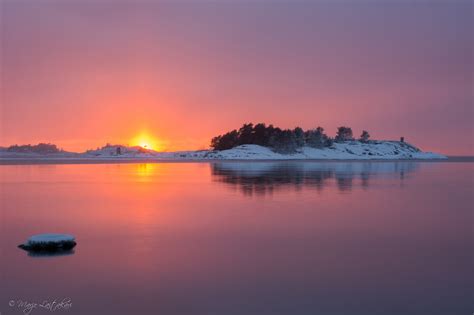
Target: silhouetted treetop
42, 148
364, 137
281, 140
344, 134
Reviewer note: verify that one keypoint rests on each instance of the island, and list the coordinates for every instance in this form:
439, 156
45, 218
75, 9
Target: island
250, 142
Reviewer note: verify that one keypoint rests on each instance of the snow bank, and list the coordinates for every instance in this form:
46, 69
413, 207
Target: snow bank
351, 150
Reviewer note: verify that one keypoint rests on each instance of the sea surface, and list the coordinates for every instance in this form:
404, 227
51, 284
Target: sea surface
327, 238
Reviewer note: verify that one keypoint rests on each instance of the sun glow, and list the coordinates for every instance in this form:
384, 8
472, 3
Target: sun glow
146, 141
145, 145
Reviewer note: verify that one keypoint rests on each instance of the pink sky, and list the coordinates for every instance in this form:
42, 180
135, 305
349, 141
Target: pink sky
81, 73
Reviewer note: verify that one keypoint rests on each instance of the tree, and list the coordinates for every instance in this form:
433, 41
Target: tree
364, 137
316, 138
274, 137
245, 135
299, 136
215, 142
284, 141
269, 133
41, 148
344, 134
260, 136
329, 142
226, 141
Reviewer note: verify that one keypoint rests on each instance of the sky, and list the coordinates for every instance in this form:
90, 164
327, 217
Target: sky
174, 74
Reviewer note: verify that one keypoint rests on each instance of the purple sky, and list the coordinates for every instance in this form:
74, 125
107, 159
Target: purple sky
82, 73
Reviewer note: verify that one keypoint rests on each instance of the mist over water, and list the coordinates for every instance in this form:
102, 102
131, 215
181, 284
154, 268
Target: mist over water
242, 238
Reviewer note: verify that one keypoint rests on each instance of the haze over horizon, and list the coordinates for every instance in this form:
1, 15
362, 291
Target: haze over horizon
80, 74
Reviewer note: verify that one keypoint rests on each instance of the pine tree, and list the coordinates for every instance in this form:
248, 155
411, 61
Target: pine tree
299, 136
344, 134
364, 137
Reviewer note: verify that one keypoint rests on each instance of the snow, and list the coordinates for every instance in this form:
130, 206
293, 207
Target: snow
112, 151
50, 238
350, 150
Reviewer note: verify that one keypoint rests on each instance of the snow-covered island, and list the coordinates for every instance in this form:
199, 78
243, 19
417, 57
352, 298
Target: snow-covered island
250, 142
350, 150
383, 150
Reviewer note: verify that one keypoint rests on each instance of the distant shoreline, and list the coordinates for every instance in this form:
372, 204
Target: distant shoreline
344, 151
35, 161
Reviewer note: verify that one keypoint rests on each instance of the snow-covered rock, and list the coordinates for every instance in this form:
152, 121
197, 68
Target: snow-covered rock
49, 242
119, 151
350, 150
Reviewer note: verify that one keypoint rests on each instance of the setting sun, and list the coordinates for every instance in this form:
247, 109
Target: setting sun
146, 141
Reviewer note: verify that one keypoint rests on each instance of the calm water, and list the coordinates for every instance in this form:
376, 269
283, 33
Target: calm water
242, 238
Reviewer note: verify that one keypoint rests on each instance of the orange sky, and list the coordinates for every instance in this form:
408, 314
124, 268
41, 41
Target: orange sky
81, 74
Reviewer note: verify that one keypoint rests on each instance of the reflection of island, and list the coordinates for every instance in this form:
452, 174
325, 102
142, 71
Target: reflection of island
266, 177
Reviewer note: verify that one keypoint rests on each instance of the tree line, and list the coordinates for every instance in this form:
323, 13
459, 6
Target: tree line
42, 148
282, 140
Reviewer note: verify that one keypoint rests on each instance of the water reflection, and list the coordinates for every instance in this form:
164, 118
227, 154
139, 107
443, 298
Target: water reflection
45, 254
180, 241
262, 178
